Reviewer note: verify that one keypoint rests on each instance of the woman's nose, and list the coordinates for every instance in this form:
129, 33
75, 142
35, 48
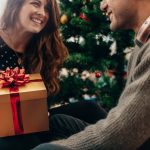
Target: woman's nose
42, 12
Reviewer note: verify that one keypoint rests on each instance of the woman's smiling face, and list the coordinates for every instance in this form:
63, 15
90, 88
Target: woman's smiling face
33, 15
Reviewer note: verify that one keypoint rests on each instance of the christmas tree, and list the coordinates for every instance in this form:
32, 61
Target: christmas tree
96, 67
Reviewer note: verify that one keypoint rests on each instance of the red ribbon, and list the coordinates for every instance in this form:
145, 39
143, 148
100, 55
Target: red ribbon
16, 110
13, 78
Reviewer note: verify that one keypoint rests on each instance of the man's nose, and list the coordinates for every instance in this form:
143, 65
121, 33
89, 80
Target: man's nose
103, 5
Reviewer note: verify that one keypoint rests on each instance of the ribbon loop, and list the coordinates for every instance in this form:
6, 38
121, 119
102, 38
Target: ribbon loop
13, 77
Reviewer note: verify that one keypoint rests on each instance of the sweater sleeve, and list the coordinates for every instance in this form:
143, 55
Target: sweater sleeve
127, 126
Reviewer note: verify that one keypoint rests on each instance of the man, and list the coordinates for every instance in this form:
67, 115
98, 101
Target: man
127, 126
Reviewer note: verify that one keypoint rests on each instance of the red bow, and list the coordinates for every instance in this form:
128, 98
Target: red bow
13, 77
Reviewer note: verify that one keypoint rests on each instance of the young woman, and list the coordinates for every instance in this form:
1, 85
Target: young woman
29, 31
30, 38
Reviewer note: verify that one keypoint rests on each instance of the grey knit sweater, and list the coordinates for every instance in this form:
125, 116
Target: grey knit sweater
127, 126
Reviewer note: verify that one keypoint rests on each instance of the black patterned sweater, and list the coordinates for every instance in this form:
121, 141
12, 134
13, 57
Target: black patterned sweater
8, 57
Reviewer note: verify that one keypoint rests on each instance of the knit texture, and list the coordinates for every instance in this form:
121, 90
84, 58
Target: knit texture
127, 126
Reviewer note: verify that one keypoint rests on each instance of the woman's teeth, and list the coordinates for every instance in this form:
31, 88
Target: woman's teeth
37, 21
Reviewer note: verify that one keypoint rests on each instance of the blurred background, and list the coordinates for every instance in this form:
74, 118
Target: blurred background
96, 68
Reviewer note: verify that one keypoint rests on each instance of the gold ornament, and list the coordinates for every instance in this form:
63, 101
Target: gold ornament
64, 19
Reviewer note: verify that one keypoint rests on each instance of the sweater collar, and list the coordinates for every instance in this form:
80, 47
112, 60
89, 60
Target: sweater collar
144, 33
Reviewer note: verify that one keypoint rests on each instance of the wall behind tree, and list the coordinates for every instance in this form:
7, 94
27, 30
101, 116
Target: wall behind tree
2, 6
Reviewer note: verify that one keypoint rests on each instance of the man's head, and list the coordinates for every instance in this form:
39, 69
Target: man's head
125, 14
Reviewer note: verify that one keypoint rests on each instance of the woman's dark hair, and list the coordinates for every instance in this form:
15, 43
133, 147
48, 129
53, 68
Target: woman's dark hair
46, 52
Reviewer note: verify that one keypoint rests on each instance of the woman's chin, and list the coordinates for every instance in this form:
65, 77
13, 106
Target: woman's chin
36, 30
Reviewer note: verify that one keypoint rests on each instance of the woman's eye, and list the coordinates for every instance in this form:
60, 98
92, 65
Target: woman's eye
36, 4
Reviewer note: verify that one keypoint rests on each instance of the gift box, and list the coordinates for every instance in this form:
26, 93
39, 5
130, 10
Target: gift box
23, 108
